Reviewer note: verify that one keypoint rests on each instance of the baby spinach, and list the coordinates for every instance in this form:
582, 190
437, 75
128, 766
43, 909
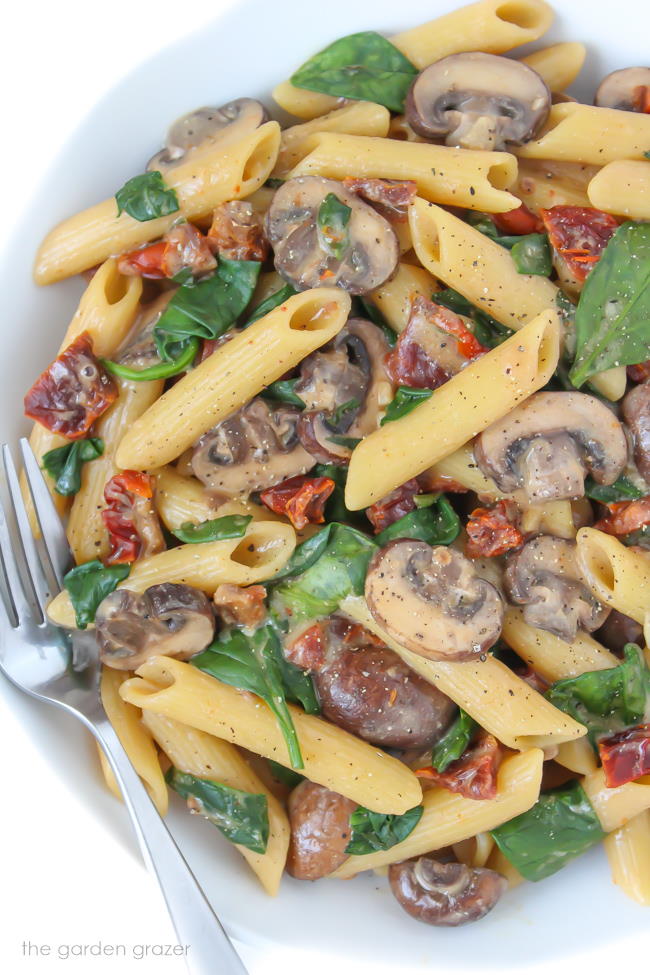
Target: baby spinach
349, 442
146, 197
437, 524
362, 308
270, 303
88, 584
372, 831
532, 255
362, 66
64, 464
612, 324
332, 223
621, 490
284, 775
454, 741
282, 391
487, 330
405, 400
559, 827
242, 817
215, 530
182, 355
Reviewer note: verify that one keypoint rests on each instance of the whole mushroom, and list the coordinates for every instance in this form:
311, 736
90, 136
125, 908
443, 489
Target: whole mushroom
627, 89
636, 413
547, 445
445, 894
478, 101
320, 830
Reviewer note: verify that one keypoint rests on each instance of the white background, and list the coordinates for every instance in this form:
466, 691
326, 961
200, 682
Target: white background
64, 880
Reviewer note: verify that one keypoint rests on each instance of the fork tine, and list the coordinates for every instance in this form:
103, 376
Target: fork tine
15, 589
52, 530
32, 557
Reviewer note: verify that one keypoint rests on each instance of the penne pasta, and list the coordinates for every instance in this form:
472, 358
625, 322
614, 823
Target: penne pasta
618, 805
181, 499
628, 852
587, 134
354, 118
617, 576
622, 187
559, 65
543, 184
303, 103
333, 757
552, 518
497, 861
394, 297
475, 851
578, 756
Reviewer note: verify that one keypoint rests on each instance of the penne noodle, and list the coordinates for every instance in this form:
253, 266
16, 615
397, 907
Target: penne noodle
616, 806
622, 187
354, 118
497, 861
333, 757
611, 383
559, 65
232, 375
578, 756
588, 134
303, 103
617, 576
628, 852
394, 297
552, 518
210, 177
181, 499
475, 851
543, 184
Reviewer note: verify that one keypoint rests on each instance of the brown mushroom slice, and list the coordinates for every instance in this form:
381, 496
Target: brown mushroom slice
544, 577
636, 413
370, 253
169, 620
445, 894
548, 444
207, 125
251, 450
627, 89
432, 601
478, 101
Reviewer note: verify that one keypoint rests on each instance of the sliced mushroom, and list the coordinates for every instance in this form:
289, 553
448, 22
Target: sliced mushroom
636, 413
208, 125
445, 894
370, 250
349, 371
627, 89
618, 630
140, 351
544, 577
169, 620
478, 101
432, 601
250, 450
320, 830
548, 444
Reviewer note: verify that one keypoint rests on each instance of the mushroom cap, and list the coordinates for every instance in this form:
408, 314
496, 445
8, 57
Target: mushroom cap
636, 413
544, 577
445, 894
431, 600
170, 619
369, 259
478, 101
320, 830
548, 443
620, 89
208, 125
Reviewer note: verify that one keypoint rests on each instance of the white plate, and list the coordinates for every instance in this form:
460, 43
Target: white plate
559, 917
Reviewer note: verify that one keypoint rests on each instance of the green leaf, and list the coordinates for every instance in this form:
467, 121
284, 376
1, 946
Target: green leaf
282, 391
332, 222
216, 530
437, 525
305, 554
372, 313
242, 817
405, 400
88, 584
373, 831
362, 66
264, 307
185, 354
337, 416
335, 508
606, 701
426, 500
532, 255
487, 330
64, 464
285, 775
559, 827
454, 741
349, 442
613, 316
647, 153
274, 183
146, 197
621, 490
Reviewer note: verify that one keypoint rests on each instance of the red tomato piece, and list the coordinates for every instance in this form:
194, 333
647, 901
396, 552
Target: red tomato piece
73, 391
625, 516
490, 532
579, 235
302, 499
394, 506
474, 774
132, 524
519, 221
641, 99
390, 196
626, 755
308, 649
240, 605
640, 372
237, 232
183, 248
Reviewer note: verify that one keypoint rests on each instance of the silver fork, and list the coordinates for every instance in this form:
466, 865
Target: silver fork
38, 658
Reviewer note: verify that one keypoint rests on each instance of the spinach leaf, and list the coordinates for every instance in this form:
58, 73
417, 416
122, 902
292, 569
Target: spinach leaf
305, 554
264, 307
242, 817
487, 330
606, 701
532, 255
182, 355
613, 315
437, 524
88, 584
373, 831
349, 442
426, 500
146, 197
215, 530
454, 741
256, 663
282, 391
621, 490
405, 400
559, 827
337, 416
64, 464
366, 309
285, 775
363, 66
332, 222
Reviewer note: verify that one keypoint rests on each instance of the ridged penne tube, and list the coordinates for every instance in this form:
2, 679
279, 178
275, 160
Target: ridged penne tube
461, 466
553, 518
332, 757
393, 299
618, 576
86, 531
494, 26
588, 134
480, 269
502, 703
457, 177
181, 499
611, 383
548, 655
233, 375
475, 851
497, 861
547, 183
449, 818
559, 65
623, 188
303, 103
207, 757
578, 756
616, 806
628, 852
264, 549
210, 177
135, 738
355, 118
487, 389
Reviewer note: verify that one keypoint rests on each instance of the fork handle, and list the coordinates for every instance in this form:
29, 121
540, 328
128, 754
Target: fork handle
196, 925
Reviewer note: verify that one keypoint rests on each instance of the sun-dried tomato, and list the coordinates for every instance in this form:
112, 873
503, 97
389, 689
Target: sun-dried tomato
73, 391
519, 221
490, 532
183, 248
240, 605
474, 774
390, 197
626, 756
130, 519
641, 99
237, 232
307, 650
624, 517
640, 372
394, 506
579, 235
302, 499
